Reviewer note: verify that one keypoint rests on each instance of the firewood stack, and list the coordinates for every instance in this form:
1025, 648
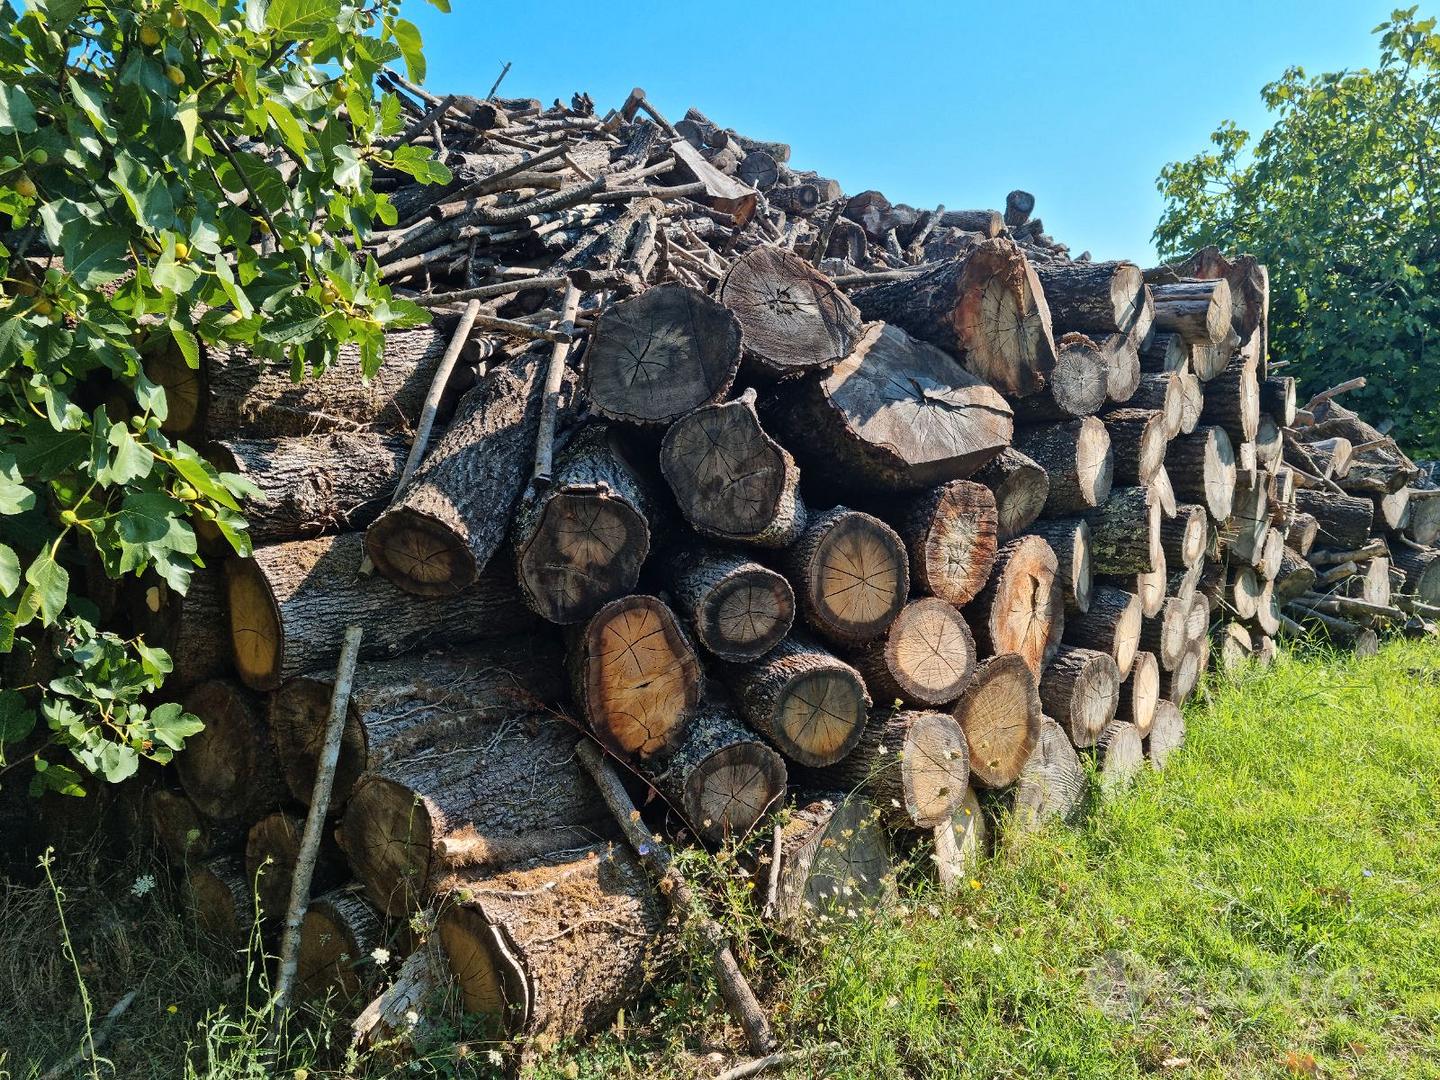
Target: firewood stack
785, 498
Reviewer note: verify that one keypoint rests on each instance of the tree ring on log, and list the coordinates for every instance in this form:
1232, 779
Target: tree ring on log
750, 614
1000, 715
929, 652
853, 575
734, 788
578, 531
793, 317
254, 624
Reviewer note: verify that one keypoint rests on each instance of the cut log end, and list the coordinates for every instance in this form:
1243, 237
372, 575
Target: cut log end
852, 575
421, 555
587, 547
254, 625
1000, 715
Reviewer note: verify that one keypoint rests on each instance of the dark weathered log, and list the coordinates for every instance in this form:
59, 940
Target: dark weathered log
720, 192
1421, 566
1021, 610
1202, 470
793, 317
721, 777
1137, 444
834, 858
1304, 530
731, 480
1077, 386
851, 575
340, 933
1165, 351
290, 603
468, 798
229, 769
1018, 205
926, 657
1052, 784
913, 766
808, 703
736, 608
985, 306
1424, 524
1069, 538
950, 535
218, 898
1021, 488
186, 835
1232, 402
1000, 715
1277, 397
1167, 735
1080, 689
1112, 625
1139, 692
1344, 521
1076, 457
1183, 536
794, 198
190, 626
759, 169
656, 357
1104, 297
314, 484
1125, 532
581, 541
635, 676
1199, 311
271, 848
989, 223
895, 414
451, 518
1164, 392
555, 947
1295, 576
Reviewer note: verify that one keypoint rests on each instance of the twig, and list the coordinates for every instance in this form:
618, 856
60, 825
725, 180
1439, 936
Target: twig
419, 126
1356, 383
772, 887
554, 377
96, 1040
315, 820
776, 1061
520, 329
498, 80
735, 991
489, 292
846, 280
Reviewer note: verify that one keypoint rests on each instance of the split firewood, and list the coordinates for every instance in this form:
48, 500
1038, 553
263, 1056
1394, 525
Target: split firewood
1021, 610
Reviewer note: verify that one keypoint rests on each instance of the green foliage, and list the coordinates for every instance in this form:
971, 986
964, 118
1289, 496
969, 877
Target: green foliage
174, 174
1341, 197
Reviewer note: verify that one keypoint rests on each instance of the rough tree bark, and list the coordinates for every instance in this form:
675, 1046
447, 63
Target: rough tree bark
1077, 459
737, 608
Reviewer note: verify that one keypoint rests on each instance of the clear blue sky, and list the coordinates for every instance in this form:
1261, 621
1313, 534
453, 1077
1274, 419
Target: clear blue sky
930, 102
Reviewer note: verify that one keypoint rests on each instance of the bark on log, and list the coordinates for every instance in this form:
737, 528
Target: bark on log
190, 626
1165, 351
581, 541
1122, 366
1080, 690
290, 603
1052, 784
229, 769
1421, 567
1192, 401
925, 659
1295, 576
271, 848
1121, 753
185, 834
1165, 635
444, 527
656, 357
984, 306
1137, 444
1277, 397
1021, 489
851, 575
1343, 521
1139, 692
834, 858
1076, 457
1069, 538
1176, 686
1112, 625
480, 791
1021, 610
1232, 402
895, 414
217, 897
635, 676
793, 317
1304, 530
1077, 386
1164, 392
731, 480
950, 533
1105, 297
735, 607
1183, 536
556, 947
810, 705
1202, 470
1199, 311
1000, 715
1125, 532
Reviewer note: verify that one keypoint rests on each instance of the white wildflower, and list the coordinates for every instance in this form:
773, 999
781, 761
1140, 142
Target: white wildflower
380, 955
412, 1017
142, 884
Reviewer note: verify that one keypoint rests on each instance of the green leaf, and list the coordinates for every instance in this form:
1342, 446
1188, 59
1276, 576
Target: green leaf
16, 111
16, 720
156, 662
145, 517
256, 14
443, 5
407, 36
9, 570
92, 103
421, 164
132, 460
173, 725
15, 497
289, 128
45, 453
300, 19
188, 117
59, 14
60, 779
96, 256
348, 172
51, 583
300, 318
186, 341
202, 476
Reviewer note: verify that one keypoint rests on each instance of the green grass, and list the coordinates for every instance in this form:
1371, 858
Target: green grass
1269, 905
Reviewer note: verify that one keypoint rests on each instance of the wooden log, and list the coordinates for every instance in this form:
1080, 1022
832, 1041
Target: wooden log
1021, 610
926, 657
1232, 402
340, 933
1080, 690
1202, 470
895, 415
793, 317
190, 626
555, 947
1165, 351
1421, 567
950, 534
988, 223
655, 357
731, 480
961, 843
1343, 521
1139, 692
218, 898
1077, 386
229, 769
1177, 685
1166, 635
1163, 392
834, 858
1272, 555
1150, 586
913, 766
851, 575
580, 542
472, 797
1192, 402
1069, 538
1120, 751
272, 847
1108, 297
1304, 530
1183, 536
1277, 397
985, 306
1112, 625
1125, 532
1137, 442
444, 527
1295, 576
759, 170
1122, 366
1393, 508
1199, 311
1021, 488
1000, 715
720, 777
313, 484
1423, 526
388, 1024
734, 606
1077, 459
720, 192
1052, 784
809, 704
1167, 735
183, 833
635, 676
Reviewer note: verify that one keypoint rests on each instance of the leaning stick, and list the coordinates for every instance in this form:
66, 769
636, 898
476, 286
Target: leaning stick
92, 1043
315, 820
1357, 383
735, 991
776, 1061
498, 80
554, 377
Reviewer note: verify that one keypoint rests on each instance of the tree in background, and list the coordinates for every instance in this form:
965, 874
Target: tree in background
1341, 197
173, 174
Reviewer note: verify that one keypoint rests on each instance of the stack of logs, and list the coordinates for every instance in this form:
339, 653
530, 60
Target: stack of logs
840, 524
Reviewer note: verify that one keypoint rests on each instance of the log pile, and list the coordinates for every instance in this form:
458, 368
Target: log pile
837, 522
